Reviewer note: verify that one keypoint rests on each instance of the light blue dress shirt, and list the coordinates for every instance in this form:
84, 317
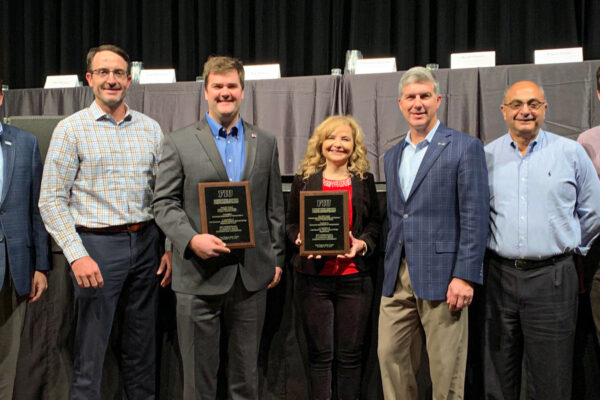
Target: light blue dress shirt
412, 156
231, 147
544, 203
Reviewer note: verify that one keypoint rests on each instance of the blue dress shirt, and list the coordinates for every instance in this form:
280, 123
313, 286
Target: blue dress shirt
231, 147
544, 203
412, 156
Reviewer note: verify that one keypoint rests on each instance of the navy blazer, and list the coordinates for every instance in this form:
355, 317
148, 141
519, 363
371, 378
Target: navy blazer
21, 226
443, 224
366, 218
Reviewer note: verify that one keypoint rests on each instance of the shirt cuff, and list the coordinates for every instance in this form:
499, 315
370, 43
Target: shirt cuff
75, 252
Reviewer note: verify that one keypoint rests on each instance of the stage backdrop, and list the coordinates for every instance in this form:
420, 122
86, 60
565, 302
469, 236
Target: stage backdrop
308, 37
291, 108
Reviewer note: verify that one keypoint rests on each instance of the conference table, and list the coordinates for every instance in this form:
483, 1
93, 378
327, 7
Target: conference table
291, 108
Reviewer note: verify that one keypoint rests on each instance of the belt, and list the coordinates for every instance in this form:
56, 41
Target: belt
125, 228
522, 264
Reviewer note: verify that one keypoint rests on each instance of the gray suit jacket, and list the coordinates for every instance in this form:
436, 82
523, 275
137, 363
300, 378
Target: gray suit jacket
190, 156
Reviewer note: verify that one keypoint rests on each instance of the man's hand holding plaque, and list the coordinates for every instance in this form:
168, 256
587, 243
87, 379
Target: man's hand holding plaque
226, 215
205, 246
324, 223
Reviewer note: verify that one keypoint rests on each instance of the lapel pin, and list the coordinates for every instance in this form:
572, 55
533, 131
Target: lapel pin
8, 143
441, 143
254, 135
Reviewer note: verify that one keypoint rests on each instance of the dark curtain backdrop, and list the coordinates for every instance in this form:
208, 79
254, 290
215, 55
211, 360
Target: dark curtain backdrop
307, 37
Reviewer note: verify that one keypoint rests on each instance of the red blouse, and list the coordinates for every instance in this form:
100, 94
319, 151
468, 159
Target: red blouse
333, 265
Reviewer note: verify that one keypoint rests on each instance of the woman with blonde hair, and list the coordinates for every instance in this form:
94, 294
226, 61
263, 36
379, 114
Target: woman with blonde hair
334, 294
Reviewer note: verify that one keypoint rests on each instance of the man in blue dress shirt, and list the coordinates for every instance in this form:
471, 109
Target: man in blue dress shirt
218, 289
544, 206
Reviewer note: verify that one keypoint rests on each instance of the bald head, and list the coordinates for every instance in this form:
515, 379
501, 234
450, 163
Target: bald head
520, 85
524, 110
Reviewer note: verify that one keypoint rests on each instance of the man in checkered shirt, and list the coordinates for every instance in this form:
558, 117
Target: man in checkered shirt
95, 202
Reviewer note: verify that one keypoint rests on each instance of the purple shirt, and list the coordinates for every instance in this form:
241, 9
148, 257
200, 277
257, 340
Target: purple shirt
590, 140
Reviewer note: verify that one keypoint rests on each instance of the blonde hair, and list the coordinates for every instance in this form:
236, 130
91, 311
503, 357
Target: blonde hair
358, 164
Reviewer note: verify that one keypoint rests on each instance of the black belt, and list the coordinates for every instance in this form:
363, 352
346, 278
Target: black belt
125, 228
522, 264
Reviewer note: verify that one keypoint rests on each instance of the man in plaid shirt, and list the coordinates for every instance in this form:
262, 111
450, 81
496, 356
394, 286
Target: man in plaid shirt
95, 202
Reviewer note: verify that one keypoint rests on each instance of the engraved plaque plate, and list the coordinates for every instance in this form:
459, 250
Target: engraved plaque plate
226, 212
324, 222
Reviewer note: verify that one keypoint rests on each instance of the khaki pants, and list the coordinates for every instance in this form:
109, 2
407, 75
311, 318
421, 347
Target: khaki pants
12, 318
403, 320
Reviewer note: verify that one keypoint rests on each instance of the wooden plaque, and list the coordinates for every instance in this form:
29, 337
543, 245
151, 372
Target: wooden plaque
226, 212
324, 223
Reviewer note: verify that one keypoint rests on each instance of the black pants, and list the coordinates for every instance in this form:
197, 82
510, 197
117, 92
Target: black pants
334, 311
128, 263
530, 315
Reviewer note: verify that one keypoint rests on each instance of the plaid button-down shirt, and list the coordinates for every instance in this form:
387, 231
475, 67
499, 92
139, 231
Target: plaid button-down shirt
98, 173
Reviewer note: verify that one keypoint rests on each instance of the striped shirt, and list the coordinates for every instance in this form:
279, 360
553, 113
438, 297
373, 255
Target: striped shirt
98, 173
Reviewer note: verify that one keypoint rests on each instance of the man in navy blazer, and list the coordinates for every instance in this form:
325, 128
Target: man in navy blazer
24, 246
438, 213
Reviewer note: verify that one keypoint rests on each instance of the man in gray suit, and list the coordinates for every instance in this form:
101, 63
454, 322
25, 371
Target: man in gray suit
24, 245
214, 284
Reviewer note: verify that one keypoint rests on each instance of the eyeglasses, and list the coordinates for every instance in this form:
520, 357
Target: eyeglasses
105, 72
532, 104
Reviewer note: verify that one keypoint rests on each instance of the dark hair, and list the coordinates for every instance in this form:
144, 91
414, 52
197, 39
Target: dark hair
107, 47
222, 65
1, 82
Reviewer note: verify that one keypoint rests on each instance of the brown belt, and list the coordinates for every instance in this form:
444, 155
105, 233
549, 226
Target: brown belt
125, 228
528, 264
